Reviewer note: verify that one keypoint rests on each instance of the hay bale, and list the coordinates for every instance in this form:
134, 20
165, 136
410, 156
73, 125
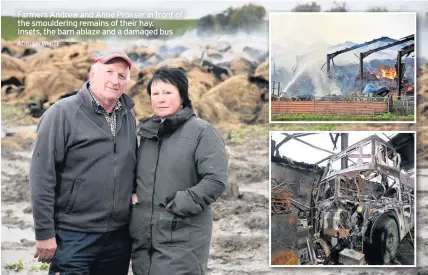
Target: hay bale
11, 92
222, 46
422, 145
11, 144
263, 114
77, 54
138, 92
135, 74
81, 73
171, 51
213, 54
154, 60
58, 71
238, 95
142, 52
214, 112
145, 55
50, 84
221, 73
193, 54
141, 79
10, 48
45, 56
143, 107
176, 63
263, 68
13, 70
256, 54
200, 82
19, 142
242, 66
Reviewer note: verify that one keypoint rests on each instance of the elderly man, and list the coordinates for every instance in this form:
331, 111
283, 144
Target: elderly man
82, 174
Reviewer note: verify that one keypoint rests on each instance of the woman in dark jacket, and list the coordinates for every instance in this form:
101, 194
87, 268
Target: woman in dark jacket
181, 170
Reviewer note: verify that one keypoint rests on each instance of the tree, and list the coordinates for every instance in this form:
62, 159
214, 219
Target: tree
248, 18
222, 19
377, 9
313, 7
206, 24
338, 7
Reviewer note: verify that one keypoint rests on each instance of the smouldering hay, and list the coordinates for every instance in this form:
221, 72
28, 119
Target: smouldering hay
19, 142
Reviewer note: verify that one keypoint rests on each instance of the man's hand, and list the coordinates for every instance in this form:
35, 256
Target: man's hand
45, 250
134, 198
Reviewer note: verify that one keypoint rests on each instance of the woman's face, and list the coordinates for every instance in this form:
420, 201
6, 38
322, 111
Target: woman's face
166, 99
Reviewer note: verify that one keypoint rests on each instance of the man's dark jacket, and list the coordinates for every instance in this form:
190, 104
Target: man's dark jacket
81, 177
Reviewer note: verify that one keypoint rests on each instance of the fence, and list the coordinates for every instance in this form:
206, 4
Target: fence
403, 105
346, 106
276, 86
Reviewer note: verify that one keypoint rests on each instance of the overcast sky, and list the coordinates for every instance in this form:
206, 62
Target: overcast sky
335, 28
197, 8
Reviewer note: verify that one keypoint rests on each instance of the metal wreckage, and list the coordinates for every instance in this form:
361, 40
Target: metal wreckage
357, 215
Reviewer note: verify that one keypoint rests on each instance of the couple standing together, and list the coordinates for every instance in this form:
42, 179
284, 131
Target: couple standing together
100, 196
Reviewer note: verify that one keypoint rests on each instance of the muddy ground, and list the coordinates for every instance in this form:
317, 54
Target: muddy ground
240, 231
240, 243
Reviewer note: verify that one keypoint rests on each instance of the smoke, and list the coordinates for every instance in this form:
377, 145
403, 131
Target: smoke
308, 77
192, 46
323, 85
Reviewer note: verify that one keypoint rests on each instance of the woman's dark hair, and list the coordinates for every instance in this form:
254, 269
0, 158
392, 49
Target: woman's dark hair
173, 76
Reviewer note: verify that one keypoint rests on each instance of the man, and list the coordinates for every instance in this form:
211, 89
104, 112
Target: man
82, 174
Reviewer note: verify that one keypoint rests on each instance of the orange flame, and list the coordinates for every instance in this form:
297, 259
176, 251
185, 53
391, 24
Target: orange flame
409, 88
390, 72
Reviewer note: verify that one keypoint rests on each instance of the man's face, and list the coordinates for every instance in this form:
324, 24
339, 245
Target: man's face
109, 81
166, 99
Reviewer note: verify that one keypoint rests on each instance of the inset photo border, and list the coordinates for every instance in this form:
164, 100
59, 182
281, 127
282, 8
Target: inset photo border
342, 199
342, 67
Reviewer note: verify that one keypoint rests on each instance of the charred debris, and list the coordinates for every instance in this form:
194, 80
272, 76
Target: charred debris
359, 214
377, 78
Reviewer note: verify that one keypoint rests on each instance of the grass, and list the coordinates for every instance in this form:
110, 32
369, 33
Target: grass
16, 115
317, 117
10, 112
9, 29
42, 267
19, 265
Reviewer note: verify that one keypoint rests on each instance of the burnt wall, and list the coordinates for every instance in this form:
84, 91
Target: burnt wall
303, 180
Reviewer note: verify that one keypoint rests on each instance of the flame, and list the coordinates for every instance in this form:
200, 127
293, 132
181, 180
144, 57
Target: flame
409, 88
390, 72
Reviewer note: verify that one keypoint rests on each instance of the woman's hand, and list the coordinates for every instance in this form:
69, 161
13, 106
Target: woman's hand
134, 198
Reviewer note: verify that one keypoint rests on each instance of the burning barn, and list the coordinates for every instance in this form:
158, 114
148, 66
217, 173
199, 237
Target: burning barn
385, 66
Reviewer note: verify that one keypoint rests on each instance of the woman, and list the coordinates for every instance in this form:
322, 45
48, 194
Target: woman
181, 170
